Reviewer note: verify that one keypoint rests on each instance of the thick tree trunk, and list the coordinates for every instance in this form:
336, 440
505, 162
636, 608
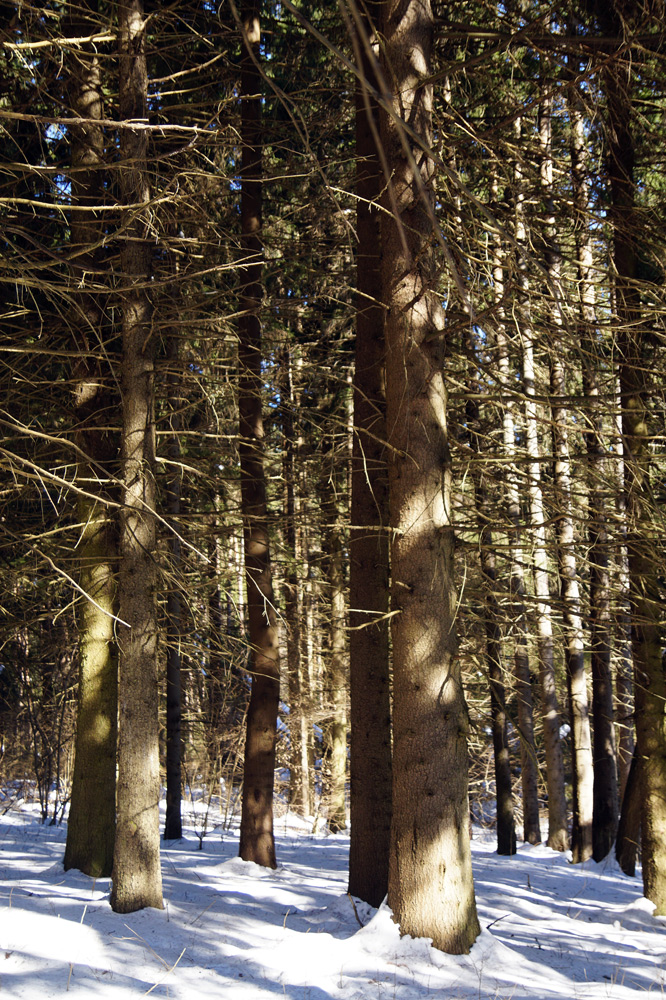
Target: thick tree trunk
92, 813
137, 880
605, 792
257, 842
643, 540
431, 890
370, 759
582, 772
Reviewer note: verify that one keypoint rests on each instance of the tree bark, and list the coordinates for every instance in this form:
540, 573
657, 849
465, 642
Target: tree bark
522, 678
605, 791
582, 773
257, 842
370, 712
137, 880
92, 813
643, 540
431, 890
558, 837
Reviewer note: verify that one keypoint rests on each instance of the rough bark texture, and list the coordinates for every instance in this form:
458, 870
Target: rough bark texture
92, 814
370, 755
137, 880
643, 539
336, 683
431, 891
257, 842
605, 791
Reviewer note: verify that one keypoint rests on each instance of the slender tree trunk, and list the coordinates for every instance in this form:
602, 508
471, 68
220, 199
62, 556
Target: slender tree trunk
605, 793
336, 683
624, 688
370, 761
92, 814
574, 654
300, 785
558, 837
506, 832
522, 678
257, 842
431, 891
137, 880
173, 829
642, 537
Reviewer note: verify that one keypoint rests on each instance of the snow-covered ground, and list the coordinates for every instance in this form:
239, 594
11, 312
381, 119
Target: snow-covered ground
232, 929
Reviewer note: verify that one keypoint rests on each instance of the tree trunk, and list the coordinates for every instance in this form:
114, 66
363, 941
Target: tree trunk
173, 828
506, 831
629, 827
431, 890
300, 785
257, 842
370, 760
336, 683
137, 880
574, 654
523, 682
643, 539
605, 792
557, 806
92, 813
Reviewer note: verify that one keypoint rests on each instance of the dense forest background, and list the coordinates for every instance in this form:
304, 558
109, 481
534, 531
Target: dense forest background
201, 511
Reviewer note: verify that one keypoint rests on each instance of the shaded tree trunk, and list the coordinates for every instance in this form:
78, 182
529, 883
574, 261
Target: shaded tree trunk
605, 792
92, 814
370, 710
137, 880
257, 842
643, 539
431, 890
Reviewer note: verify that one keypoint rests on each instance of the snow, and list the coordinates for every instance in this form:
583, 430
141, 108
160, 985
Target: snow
232, 929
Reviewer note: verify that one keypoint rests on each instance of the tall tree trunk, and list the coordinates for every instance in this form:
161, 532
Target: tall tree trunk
336, 681
92, 814
574, 654
370, 710
506, 831
431, 891
605, 792
173, 828
642, 538
558, 837
137, 880
300, 786
523, 682
257, 842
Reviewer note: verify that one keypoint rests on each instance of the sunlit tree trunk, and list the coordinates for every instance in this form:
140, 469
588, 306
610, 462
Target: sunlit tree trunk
558, 837
370, 712
582, 774
257, 842
522, 679
430, 891
137, 880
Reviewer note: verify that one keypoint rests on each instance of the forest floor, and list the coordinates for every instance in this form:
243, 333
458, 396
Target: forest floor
230, 929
